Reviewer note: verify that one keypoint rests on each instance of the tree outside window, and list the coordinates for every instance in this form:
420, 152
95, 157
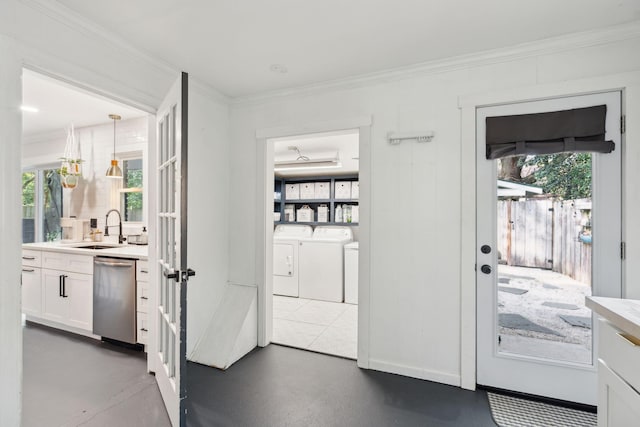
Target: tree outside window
41, 205
131, 199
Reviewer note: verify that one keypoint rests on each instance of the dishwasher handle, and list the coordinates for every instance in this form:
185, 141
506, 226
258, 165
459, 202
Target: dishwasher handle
112, 263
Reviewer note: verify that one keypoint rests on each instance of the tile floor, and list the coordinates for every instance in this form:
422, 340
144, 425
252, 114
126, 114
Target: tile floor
321, 326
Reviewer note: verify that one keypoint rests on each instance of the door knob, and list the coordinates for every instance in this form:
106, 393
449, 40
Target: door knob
486, 269
485, 249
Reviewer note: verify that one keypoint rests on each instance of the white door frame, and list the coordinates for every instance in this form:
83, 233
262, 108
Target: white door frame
628, 83
264, 226
10, 260
10, 304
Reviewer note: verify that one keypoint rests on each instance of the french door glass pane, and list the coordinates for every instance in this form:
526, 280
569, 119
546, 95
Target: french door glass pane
544, 256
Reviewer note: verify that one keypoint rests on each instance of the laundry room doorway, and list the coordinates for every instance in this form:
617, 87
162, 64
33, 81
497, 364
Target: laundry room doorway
312, 247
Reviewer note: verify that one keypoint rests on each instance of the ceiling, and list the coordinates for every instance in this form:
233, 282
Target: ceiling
343, 144
234, 44
59, 105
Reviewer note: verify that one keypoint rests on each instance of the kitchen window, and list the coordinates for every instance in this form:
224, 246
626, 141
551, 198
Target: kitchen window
41, 205
131, 195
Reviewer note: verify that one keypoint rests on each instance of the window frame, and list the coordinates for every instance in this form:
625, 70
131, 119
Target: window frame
38, 199
118, 203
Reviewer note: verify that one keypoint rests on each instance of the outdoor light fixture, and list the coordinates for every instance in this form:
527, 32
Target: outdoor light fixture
114, 170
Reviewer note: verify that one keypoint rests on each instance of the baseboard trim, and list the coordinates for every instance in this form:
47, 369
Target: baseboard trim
62, 327
419, 373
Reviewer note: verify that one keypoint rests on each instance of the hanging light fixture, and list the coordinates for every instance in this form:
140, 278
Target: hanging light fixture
114, 170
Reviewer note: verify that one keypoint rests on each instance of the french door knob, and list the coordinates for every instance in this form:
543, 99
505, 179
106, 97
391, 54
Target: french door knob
486, 269
485, 249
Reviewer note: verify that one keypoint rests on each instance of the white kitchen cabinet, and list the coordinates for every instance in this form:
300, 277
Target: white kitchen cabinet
31, 282
67, 262
142, 301
31, 290
31, 258
54, 305
79, 288
68, 298
143, 328
618, 402
618, 377
67, 289
618, 331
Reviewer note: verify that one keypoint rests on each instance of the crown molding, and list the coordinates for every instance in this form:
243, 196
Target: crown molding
584, 39
548, 46
90, 29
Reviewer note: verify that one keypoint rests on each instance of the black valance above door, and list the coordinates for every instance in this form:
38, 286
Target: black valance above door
577, 130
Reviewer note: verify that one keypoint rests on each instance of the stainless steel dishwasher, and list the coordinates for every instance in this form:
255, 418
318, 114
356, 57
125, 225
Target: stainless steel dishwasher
114, 298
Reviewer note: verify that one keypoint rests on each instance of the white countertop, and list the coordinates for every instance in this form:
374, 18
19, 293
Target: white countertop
622, 313
118, 251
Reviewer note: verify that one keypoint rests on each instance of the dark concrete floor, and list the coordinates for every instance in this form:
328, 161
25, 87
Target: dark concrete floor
70, 380
75, 381
281, 386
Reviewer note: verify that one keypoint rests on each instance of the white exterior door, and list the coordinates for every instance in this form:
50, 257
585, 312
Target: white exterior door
532, 363
171, 247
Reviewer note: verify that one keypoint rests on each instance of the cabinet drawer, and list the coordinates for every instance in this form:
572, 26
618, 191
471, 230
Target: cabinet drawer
68, 262
143, 328
618, 403
31, 291
142, 295
31, 258
621, 352
142, 271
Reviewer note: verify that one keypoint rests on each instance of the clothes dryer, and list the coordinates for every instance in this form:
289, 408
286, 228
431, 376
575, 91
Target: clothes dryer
286, 240
321, 262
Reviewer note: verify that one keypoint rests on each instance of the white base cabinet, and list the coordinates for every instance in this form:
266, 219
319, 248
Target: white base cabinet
142, 301
58, 288
618, 377
618, 402
68, 298
31, 283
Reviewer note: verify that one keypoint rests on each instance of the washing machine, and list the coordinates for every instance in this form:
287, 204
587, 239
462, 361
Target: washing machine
351, 273
321, 263
286, 240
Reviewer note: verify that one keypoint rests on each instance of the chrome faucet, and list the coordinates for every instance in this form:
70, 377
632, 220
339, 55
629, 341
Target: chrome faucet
106, 226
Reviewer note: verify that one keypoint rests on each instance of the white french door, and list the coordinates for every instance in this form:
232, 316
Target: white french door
517, 349
171, 232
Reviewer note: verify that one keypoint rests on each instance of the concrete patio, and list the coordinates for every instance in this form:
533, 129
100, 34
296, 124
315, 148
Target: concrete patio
542, 314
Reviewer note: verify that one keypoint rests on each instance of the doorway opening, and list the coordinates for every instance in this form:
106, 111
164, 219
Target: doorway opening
57, 284
315, 250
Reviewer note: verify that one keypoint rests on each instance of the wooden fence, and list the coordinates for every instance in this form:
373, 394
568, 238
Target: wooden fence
544, 233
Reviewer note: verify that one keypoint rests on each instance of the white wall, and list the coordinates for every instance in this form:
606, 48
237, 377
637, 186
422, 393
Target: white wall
93, 197
416, 188
416, 214
209, 211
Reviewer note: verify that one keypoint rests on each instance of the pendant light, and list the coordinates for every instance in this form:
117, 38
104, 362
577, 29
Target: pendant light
114, 170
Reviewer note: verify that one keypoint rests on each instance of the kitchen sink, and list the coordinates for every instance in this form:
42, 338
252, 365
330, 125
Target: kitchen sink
95, 247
